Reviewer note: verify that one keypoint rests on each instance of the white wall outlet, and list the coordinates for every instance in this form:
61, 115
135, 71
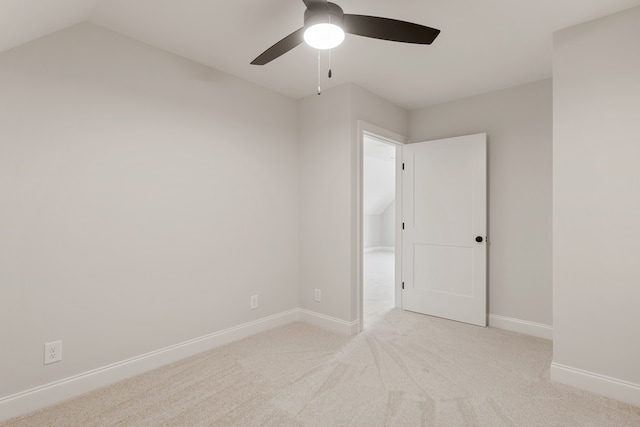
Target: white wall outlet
317, 295
253, 304
52, 352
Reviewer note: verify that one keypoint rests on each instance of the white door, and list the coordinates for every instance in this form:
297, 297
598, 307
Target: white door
444, 214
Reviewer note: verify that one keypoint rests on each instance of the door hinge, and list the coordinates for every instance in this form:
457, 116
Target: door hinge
402, 285
403, 225
403, 166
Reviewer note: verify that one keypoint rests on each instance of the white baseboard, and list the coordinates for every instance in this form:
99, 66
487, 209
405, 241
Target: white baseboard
603, 385
55, 392
380, 248
330, 323
539, 330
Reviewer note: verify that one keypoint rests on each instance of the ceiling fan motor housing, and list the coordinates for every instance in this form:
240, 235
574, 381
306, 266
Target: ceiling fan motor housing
331, 14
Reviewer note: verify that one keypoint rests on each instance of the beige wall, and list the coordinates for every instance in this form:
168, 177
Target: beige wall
325, 202
519, 128
596, 212
144, 199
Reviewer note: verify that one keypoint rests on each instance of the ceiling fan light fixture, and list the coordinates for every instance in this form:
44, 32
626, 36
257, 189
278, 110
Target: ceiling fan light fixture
324, 35
325, 24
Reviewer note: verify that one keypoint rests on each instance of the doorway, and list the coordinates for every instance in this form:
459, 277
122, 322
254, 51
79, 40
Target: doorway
467, 156
378, 226
380, 154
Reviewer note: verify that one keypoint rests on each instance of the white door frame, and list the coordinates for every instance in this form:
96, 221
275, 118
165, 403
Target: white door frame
397, 140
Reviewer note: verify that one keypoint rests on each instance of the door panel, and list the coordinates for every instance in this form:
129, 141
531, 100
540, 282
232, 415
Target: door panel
444, 210
437, 276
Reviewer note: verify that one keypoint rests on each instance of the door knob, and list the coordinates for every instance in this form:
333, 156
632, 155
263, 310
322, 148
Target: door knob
479, 239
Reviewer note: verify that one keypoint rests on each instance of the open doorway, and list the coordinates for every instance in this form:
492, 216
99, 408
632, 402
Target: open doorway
379, 226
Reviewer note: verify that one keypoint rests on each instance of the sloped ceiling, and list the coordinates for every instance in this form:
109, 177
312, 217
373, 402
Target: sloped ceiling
379, 176
24, 20
484, 45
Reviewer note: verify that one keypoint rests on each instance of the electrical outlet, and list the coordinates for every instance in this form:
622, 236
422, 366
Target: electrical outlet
317, 295
52, 352
254, 302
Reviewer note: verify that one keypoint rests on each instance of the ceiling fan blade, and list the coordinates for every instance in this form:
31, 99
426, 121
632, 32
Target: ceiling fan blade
280, 48
312, 3
389, 29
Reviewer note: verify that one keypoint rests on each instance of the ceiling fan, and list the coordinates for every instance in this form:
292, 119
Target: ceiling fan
325, 25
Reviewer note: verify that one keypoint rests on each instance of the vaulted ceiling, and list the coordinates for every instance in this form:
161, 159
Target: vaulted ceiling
484, 45
379, 176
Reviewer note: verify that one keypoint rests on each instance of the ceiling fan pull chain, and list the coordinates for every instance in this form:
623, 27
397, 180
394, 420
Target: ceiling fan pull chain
330, 74
319, 90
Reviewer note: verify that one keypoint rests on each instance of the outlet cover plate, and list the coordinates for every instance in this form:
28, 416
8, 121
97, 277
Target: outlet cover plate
52, 352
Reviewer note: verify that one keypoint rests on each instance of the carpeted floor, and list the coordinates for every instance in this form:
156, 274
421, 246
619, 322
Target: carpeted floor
406, 369
378, 285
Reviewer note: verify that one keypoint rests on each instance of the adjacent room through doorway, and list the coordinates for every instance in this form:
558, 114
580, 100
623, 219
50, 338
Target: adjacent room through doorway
379, 223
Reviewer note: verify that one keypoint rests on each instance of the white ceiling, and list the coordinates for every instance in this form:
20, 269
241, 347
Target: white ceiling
485, 45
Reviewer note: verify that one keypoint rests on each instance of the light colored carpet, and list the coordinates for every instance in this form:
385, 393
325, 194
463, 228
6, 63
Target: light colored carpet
406, 369
378, 283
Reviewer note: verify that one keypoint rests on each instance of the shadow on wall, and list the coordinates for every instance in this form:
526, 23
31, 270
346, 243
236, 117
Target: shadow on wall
379, 230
